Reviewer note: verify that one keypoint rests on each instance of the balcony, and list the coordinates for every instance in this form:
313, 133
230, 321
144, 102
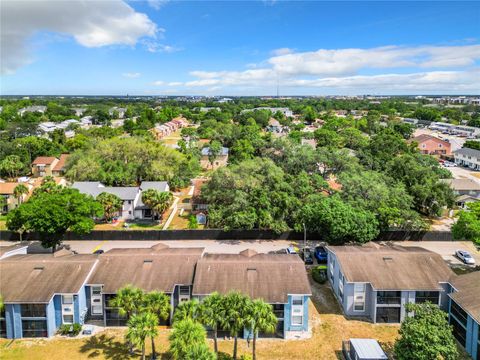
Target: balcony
389, 297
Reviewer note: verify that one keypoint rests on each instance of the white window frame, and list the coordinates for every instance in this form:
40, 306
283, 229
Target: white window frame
297, 310
68, 309
359, 294
96, 296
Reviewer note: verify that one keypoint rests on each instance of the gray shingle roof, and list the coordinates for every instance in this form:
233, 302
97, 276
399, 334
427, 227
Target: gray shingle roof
270, 277
95, 188
37, 277
468, 293
392, 267
157, 185
468, 152
206, 151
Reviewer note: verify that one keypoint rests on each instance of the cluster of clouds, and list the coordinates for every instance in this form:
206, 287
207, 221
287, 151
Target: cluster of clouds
427, 68
93, 23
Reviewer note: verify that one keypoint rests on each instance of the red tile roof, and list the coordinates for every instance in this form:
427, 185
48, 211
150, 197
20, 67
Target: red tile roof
47, 160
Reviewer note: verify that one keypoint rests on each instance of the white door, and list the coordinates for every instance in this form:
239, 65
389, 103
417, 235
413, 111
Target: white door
96, 300
67, 309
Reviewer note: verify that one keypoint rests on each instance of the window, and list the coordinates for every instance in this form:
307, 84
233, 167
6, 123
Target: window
113, 318
96, 290
3, 324
297, 320
34, 310
359, 297
34, 328
297, 310
184, 290
459, 331
459, 313
340, 286
389, 297
68, 319
67, 299
424, 296
388, 314
129, 202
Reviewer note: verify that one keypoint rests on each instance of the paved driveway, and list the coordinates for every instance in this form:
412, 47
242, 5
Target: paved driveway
211, 246
446, 249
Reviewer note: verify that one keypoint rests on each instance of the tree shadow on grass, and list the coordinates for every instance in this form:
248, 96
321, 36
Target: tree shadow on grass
106, 346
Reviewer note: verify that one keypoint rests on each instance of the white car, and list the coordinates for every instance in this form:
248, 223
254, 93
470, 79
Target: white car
465, 257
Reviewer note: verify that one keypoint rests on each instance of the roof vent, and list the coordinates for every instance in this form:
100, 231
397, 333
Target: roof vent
147, 261
38, 268
387, 258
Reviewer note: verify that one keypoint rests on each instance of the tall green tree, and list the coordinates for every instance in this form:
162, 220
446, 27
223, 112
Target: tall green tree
200, 352
158, 201
260, 318
211, 310
426, 335
141, 326
214, 150
157, 303
11, 166
51, 215
185, 335
187, 310
235, 310
111, 204
467, 225
19, 191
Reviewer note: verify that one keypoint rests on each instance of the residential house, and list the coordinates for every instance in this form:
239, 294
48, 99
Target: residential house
162, 130
59, 168
467, 157
459, 130
464, 187
42, 292
431, 145
285, 111
120, 111
278, 279
464, 312
159, 268
35, 108
86, 122
376, 281
47, 127
220, 160
133, 207
128, 194
7, 190
43, 165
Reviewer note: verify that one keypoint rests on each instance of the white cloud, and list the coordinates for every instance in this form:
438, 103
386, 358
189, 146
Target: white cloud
131, 75
429, 68
281, 51
90, 23
155, 46
157, 4
158, 83
175, 83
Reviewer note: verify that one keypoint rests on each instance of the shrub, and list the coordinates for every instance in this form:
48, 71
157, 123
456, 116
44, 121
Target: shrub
192, 222
223, 356
319, 274
245, 357
76, 328
64, 329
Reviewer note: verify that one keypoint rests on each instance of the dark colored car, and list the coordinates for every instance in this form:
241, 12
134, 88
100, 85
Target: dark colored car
321, 254
99, 251
307, 256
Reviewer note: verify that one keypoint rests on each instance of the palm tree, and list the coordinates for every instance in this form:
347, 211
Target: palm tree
128, 301
111, 204
19, 191
157, 303
186, 334
158, 201
211, 310
140, 327
187, 310
260, 317
200, 352
235, 307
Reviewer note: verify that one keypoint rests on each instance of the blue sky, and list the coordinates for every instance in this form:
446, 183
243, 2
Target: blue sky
240, 48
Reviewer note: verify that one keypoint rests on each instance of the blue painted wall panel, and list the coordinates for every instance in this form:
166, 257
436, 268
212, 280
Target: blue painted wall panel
17, 321
57, 303
51, 323
82, 306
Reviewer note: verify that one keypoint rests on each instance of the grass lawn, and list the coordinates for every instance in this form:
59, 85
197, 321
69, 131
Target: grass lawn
329, 328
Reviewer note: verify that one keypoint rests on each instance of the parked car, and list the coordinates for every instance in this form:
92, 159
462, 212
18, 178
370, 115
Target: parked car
321, 254
307, 256
291, 250
465, 257
98, 252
